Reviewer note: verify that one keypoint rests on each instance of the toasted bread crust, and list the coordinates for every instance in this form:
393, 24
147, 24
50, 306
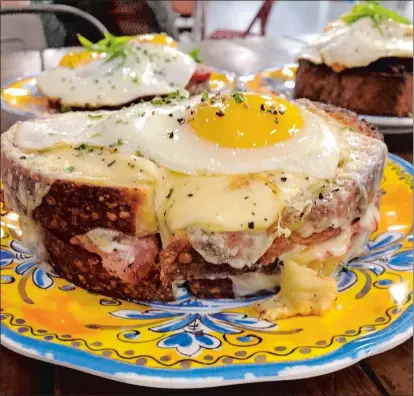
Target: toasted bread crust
375, 90
71, 206
85, 269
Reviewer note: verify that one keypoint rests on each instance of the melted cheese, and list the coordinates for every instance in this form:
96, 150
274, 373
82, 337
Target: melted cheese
252, 283
302, 292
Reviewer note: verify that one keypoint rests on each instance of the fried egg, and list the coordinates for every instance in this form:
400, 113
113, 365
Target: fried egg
360, 43
150, 65
201, 135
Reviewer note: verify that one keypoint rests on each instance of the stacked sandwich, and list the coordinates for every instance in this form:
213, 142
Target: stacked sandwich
233, 195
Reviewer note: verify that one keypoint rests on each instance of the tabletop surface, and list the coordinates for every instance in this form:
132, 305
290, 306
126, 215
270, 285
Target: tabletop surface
390, 373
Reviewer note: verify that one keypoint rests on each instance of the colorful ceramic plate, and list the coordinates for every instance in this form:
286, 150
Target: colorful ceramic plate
193, 343
22, 97
282, 81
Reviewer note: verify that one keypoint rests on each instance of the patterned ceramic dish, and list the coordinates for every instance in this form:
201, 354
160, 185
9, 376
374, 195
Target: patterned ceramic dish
194, 343
22, 97
282, 81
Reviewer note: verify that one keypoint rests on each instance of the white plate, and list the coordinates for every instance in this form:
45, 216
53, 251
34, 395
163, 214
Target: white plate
393, 122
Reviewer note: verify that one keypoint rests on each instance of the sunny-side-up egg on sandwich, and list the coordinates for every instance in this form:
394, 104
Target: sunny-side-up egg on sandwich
120, 70
234, 195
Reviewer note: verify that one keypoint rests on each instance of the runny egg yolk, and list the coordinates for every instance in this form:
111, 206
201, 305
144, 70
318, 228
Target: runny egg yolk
160, 38
246, 121
73, 59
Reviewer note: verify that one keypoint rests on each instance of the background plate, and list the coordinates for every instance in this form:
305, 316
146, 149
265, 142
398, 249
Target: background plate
282, 81
194, 343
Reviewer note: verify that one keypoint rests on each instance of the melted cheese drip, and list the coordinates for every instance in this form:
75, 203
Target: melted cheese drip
302, 292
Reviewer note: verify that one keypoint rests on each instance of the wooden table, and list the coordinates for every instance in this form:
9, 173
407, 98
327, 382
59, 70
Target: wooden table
390, 373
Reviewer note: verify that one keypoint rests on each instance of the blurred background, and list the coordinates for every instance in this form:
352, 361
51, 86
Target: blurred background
183, 20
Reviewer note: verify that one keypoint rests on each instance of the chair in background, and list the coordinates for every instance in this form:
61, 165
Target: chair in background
262, 16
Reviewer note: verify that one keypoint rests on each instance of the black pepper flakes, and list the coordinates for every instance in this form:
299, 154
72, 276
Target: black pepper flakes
180, 121
168, 196
246, 197
283, 179
262, 107
170, 135
170, 115
23, 157
190, 195
320, 196
250, 224
111, 163
220, 113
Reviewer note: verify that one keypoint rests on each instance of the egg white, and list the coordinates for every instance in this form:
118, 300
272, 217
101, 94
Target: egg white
360, 43
157, 133
148, 70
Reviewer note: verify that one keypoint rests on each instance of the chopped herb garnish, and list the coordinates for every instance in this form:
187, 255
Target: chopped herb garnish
69, 169
251, 225
122, 122
156, 101
131, 165
204, 96
238, 98
135, 80
138, 153
65, 108
141, 114
195, 54
82, 146
119, 142
170, 135
95, 116
96, 135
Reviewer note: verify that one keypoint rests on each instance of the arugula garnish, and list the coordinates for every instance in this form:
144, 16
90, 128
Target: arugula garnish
195, 54
373, 10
